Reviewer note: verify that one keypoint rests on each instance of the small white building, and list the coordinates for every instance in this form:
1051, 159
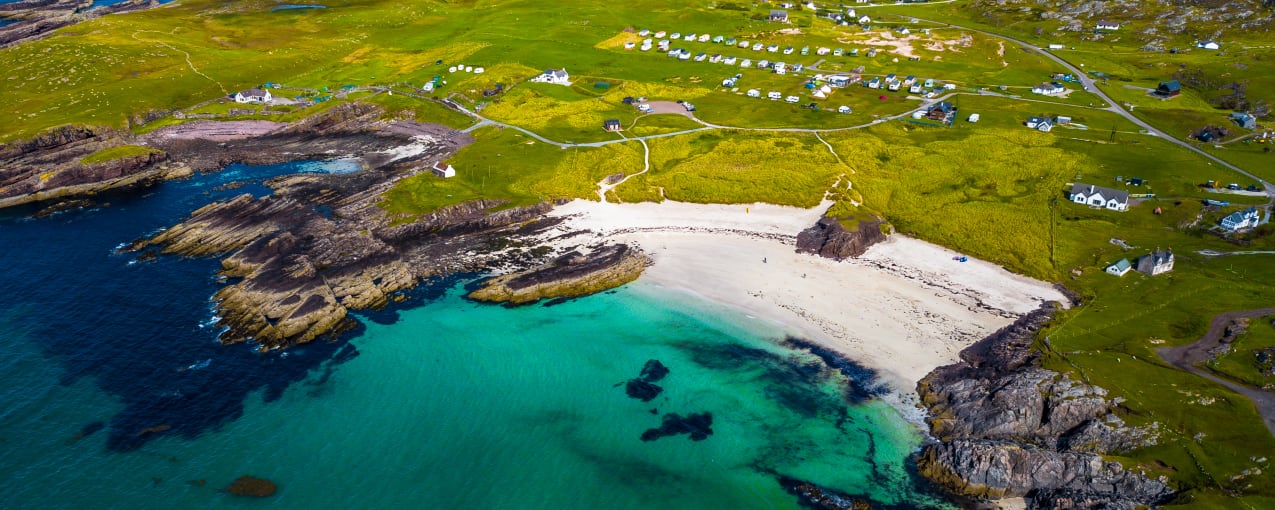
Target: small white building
1049, 89
554, 76
1208, 45
754, 93
1108, 25
258, 96
792, 99
1056, 46
973, 118
843, 109
864, 20
774, 95
444, 171
1119, 268
1040, 124
1099, 197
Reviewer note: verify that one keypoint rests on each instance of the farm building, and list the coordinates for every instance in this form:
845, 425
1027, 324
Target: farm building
1099, 197
1119, 268
1241, 220
1169, 89
554, 76
444, 171
1156, 262
253, 96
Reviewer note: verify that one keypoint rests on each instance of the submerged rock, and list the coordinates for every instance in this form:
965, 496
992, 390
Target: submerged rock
571, 275
810, 495
653, 371
251, 486
699, 426
642, 390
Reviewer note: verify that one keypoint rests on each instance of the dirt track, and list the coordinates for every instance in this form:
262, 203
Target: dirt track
1188, 356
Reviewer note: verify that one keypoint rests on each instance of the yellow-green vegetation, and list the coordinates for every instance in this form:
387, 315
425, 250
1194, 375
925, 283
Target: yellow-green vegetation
504, 164
736, 167
117, 152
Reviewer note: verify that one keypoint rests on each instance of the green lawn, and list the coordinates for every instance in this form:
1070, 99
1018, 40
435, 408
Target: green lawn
118, 152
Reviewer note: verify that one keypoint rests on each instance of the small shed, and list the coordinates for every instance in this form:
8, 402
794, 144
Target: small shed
444, 171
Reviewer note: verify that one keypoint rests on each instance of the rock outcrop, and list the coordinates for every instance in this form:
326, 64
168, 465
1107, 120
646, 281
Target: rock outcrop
1008, 428
37, 18
319, 246
829, 238
571, 275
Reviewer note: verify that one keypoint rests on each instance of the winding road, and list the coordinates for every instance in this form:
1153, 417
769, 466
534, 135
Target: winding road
1188, 356
1089, 85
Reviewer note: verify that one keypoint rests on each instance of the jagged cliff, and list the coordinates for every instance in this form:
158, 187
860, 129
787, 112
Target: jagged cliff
1008, 428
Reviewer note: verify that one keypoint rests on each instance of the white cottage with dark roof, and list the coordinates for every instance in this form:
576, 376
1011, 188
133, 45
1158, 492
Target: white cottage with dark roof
554, 76
1098, 196
253, 96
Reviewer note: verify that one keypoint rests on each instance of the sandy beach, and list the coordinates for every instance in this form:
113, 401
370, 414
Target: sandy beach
903, 308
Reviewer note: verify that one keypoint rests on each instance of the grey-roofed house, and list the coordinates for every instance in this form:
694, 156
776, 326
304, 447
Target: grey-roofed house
779, 15
1156, 262
1244, 120
1098, 196
253, 96
1240, 220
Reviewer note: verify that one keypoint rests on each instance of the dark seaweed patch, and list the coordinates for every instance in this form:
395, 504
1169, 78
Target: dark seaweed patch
642, 390
698, 425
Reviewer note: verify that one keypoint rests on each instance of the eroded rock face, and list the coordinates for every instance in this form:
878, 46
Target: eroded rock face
49, 166
1009, 428
829, 238
571, 275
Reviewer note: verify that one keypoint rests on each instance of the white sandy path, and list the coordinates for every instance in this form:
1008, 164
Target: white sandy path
904, 308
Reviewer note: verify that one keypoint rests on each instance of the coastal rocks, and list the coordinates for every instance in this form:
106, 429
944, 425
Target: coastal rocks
1009, 428
810, 495
52, 166
699, 426
993, 469
571, 275
830, 237
251, 486
40, 17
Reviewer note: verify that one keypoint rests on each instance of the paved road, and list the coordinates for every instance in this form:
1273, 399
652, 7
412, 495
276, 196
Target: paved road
1187, 356
1114, 107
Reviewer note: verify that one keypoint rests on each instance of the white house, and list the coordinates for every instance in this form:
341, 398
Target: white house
864, 20
1056, 46
554, 76
1156, 262
1208, 45
1100, 197
1040, 124
1240, 220
253, 96
1108, 25
1119, 268
444, 171
1048, 89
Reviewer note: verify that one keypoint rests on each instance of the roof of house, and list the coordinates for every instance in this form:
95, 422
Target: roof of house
1155, 258
778, 13
254, 93
1122, 265
1108, 23
1239, 216
556, 73
1089, 189
1048, 86
1170, 86
943, 106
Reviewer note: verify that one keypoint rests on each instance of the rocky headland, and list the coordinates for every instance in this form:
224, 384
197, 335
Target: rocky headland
829, 237
1008, 428
573, 274
37, 18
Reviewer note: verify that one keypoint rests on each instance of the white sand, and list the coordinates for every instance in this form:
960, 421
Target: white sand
904, 308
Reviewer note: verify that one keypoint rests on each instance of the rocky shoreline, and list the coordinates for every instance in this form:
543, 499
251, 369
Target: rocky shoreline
574, 274
1008, 428
37, 18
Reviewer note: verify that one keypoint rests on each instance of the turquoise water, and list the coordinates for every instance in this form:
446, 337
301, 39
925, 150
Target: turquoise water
461, 405
441, 403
